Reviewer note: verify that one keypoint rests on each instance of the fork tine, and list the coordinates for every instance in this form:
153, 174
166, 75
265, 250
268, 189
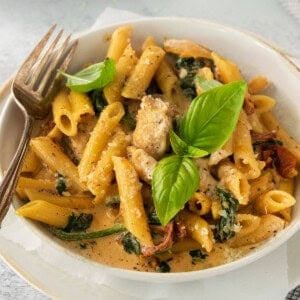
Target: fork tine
65, 63
53, 65
31, 59
62, 65
43, 62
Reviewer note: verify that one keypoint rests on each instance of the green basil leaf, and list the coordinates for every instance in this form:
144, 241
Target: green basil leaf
181, 148
212, 116
175, 179
207, 84
194, 152
95, 76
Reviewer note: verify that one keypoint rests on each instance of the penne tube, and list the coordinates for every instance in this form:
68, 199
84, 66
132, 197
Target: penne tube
46, 212
262, 103
274, 201
81, 105
131, 202
62, 114
102, 177
227, 70
166, 79
143, 72
257, 84
68, 108
198, 229
106, 124
235, 181
200, 204
216, 208
33, 183
76, 202
55, 134
125, 64
31, 163
243, 154
119, 41
269, 225
186, 48
164, 76
51, 154
255, 122
260, 185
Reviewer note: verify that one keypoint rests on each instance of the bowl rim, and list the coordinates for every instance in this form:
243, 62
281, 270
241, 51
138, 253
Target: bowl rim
263, 250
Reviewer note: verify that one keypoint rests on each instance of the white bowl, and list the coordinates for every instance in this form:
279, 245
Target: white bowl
254, 57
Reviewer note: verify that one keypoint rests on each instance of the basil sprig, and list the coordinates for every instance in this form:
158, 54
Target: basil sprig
93, 77
175, 179
207, 125
212, 116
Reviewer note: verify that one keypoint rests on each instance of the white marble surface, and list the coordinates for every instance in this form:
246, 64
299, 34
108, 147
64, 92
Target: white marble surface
22, 23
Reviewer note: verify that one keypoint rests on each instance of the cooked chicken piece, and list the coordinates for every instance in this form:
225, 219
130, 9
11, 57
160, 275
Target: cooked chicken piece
154, 121
143, 163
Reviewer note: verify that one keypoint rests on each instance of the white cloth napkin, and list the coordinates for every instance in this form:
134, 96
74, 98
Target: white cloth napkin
265, 278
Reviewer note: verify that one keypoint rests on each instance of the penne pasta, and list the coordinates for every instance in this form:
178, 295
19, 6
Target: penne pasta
261, 185
198, 229
235, 181
102, 177
227, 70
243, 154
257, 84
186, 48
46, 212
106, 124
119, 41
143, 72
262, 103
31, 163
124, 66
67, 110
34, 183
274, 201
268, 227
200, 204
131, 205
52, 155
76, 202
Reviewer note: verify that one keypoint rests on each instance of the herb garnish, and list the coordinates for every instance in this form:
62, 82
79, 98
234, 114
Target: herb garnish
131, 244
61, 185
93, 77
79, 222
98, 100
224, 228
208, 124
197, 255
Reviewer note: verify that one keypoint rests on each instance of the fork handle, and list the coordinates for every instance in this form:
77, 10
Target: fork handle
9, 182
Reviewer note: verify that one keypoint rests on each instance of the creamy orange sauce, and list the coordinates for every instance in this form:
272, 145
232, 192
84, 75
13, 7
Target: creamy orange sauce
109, 251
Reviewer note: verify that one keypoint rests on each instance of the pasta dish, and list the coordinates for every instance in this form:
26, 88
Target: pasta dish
161, 158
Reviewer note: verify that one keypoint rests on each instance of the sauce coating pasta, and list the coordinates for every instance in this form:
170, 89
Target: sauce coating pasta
89, 178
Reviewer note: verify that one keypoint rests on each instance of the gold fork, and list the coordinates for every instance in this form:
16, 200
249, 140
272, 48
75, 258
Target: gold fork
33, 88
